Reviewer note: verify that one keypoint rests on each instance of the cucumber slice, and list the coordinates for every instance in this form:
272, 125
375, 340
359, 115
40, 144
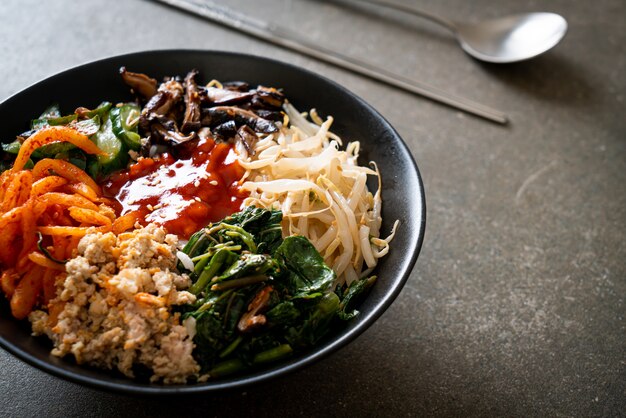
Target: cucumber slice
100, 111
51, 150
63, 120
12, 148
51, 112
124, 120
87, 126
116, 154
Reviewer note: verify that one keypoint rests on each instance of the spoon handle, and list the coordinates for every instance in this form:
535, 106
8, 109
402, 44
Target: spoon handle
290, 40
390, 4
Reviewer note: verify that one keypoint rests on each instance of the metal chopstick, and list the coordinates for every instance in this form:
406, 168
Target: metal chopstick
287, 39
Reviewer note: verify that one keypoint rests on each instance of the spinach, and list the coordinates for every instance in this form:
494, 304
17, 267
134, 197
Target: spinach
247, 264
284, 313
213, 266
264, 225
307, 274
210, 333
355, 292
317, 323
256, 229
197, 245
259, 296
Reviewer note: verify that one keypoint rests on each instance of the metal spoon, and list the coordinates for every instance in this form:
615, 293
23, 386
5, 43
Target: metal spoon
503, 40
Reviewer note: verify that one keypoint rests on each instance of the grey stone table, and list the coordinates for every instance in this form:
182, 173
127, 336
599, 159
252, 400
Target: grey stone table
516, 304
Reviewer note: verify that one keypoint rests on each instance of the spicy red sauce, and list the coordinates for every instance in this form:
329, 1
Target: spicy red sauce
182, 194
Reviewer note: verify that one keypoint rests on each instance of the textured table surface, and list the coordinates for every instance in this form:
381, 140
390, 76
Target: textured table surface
516, 304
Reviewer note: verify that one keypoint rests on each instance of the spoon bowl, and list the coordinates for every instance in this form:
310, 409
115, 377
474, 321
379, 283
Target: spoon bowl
503, 40
512, 38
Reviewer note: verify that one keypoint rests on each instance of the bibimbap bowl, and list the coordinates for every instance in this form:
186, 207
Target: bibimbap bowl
402, 192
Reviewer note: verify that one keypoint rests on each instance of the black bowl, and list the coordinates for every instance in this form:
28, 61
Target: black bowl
403, 192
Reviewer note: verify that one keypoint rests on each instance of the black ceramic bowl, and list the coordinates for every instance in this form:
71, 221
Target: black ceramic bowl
403, 192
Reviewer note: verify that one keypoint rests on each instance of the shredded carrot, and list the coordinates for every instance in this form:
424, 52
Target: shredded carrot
8, 236
125, 222
49, 135
64, 169
9, 280
84, 190
47, 184
26, 292
49, 285
68, 200
40, 259
15, 194
89, 216
57, 200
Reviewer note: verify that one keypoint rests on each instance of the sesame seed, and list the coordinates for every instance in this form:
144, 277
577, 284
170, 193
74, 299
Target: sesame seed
213, 182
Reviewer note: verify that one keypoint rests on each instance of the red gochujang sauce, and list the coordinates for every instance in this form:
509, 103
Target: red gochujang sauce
182, 194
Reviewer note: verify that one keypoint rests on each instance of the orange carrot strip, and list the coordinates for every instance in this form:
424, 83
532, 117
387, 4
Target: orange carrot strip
125, 222
109, 202
26, 292
148, 299
72, 244
43, 261
26, 183
54, 309
71, 231
61, 244
10, 195
9, 280
13, 215
68, 200
64, 169
5, 179
84, 190
29, 230
46, 184
14, 190
49, 285
63, 230
9, 250
33, 209
53, 134
89, 216
107, 211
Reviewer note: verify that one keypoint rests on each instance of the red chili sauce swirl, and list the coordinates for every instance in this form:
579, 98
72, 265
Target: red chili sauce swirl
182, 194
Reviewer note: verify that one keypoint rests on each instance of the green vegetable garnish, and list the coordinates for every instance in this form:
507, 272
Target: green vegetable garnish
116, 153
45, 251
124, 121
259, 297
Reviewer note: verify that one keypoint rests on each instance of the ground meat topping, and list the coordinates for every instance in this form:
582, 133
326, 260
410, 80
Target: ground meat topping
114, 306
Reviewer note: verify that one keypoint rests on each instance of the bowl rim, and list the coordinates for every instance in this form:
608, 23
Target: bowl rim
137, 388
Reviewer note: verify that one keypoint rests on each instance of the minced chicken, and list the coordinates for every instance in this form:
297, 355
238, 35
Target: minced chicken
115, 306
